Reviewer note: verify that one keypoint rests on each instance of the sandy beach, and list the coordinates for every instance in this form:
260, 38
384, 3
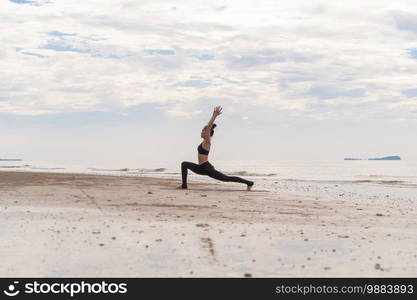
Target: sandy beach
78, 225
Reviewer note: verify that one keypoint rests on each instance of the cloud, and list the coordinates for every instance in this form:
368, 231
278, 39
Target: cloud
33, 54
204, 56
329, 92
58, 33
160, 51
22, 1
179, 110
249, 61
291, 56
410, 92
31, 2
181, 113
406, 21
220, 8
194, 84
413, 53
57, 46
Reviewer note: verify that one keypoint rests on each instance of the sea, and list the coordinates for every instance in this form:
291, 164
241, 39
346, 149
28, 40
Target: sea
336, 179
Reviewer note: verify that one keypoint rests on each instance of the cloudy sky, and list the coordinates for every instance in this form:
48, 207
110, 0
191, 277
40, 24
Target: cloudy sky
108, 80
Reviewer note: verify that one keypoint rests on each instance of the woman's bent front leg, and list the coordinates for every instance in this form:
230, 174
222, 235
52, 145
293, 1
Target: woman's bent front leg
185, 165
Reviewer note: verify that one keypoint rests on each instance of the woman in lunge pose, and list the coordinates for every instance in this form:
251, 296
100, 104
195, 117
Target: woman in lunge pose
204, 167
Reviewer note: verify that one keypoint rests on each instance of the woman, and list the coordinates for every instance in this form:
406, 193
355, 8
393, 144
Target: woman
204, 167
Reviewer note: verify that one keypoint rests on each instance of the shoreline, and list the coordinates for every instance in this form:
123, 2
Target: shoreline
81, 225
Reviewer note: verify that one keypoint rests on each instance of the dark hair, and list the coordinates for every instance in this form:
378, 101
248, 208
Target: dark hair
212, 129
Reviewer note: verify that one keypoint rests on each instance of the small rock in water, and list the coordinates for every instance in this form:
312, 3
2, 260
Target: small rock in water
343, 236
202, 225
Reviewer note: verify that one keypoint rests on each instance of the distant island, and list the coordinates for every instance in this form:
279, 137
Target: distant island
394, 157
10, 159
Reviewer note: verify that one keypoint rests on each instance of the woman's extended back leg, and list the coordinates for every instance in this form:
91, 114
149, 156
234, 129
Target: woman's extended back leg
213, 173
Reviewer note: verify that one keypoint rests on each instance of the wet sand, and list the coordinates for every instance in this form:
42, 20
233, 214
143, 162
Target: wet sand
77, 225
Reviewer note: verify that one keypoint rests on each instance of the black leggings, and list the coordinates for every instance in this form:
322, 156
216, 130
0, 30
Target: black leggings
208, 169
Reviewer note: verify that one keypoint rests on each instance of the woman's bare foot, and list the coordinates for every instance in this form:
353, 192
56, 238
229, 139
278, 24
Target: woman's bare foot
249, 187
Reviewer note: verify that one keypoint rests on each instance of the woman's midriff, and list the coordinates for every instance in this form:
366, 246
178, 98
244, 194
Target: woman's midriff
202, 158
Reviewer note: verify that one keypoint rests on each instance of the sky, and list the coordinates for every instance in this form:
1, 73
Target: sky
128, 82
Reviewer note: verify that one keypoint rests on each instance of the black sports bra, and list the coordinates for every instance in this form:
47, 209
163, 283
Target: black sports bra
201, 150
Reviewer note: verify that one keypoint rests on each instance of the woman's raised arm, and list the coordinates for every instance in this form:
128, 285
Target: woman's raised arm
216, 112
